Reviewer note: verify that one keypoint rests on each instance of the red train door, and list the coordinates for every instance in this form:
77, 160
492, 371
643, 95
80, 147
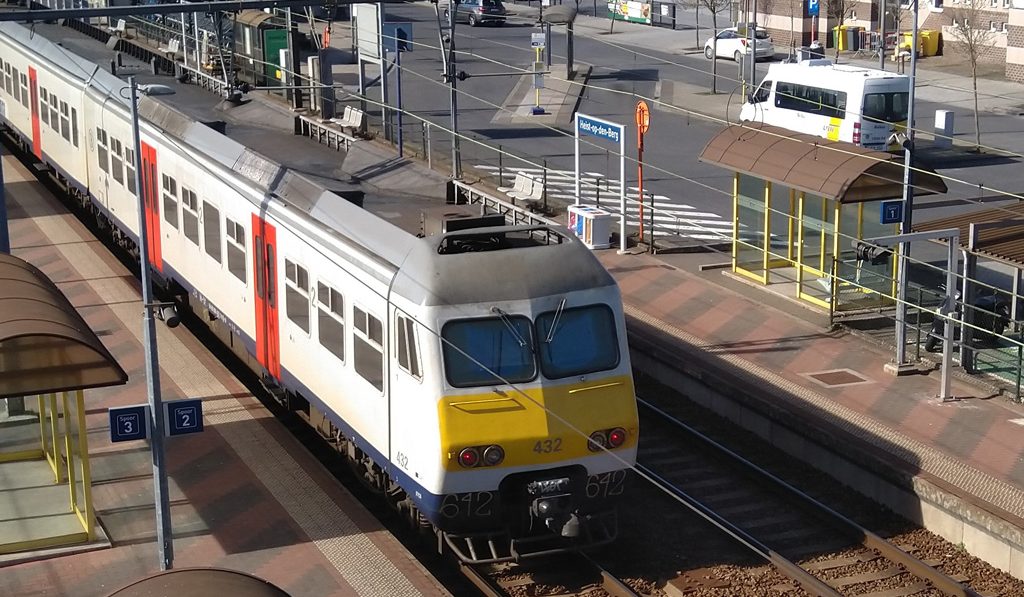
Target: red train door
151, 205
264, 252
33, 90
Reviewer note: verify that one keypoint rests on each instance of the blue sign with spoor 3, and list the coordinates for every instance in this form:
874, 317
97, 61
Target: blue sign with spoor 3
128, 423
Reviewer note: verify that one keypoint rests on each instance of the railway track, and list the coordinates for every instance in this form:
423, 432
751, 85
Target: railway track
569, 574
819, 549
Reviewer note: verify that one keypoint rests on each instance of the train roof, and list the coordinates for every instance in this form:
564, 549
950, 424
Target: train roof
520, 266
307, 178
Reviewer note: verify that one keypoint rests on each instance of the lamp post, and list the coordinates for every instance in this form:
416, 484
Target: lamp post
165, 539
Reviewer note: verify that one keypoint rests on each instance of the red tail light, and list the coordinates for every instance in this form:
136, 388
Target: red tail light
616, 437
469, 457
856, 133
743, 41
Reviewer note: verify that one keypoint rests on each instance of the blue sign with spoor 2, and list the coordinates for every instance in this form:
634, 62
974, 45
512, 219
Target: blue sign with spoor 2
128, 423
599, 128
183, 417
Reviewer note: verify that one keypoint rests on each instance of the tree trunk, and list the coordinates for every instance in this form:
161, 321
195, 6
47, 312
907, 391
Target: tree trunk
974, 81
696, 28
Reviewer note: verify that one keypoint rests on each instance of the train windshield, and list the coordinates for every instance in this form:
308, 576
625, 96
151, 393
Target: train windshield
479, 352
577, 341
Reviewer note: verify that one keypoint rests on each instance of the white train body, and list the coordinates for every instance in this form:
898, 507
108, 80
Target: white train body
362, 325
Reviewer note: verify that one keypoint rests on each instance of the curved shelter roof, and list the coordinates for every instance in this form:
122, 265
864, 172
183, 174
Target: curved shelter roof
200, 582
45, 345
815, 165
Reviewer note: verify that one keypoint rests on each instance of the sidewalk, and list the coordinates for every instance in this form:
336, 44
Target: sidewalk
938, 83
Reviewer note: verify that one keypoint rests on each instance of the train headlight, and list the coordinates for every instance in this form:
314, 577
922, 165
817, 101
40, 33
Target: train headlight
597, 441
616, 437
493, 455
469, 457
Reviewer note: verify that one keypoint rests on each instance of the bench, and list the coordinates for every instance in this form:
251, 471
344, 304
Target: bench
533, 192
171, 49
519, 185
351, 118
119, 28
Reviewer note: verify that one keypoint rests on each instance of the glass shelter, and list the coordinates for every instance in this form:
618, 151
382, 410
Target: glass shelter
799, 203
48, 356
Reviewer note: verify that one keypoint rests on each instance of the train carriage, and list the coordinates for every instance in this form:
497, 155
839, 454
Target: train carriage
479, 377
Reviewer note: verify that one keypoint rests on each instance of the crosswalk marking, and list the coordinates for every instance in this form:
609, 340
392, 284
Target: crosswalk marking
671, 218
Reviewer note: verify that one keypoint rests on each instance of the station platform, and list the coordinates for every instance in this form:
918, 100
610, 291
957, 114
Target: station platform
244, 494
956, 466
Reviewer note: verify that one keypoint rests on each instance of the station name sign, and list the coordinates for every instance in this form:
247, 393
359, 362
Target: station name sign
589, 125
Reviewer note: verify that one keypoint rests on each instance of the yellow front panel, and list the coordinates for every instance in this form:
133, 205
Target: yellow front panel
541, 425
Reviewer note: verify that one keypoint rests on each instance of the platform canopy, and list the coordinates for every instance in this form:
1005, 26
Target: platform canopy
841, 171
1004, 243
45, 345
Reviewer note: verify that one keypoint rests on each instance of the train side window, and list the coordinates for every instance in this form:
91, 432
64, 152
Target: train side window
170, 195
15, 77
367, 347
54, 119
129, 168
116, 167
44, 110
101, 149
65, 121
190, 214
331, 319
260, 272
296, 294
211, 230
7, 77
24, 92
235, 233
271, 277
408, 352
3, 67
74, 126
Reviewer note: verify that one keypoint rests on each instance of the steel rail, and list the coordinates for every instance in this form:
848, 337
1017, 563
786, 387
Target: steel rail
865, 537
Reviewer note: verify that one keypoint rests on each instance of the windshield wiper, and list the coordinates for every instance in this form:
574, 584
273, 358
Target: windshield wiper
554, 322
511, 327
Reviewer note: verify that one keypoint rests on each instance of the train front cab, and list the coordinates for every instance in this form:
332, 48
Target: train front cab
565, 430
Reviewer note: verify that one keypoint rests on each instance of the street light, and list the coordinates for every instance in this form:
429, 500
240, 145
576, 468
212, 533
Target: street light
165, 539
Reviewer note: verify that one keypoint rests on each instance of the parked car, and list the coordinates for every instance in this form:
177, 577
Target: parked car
476, 12
733, 43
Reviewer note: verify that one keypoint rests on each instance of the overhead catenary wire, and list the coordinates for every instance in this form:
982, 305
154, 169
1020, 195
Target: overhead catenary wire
666, 105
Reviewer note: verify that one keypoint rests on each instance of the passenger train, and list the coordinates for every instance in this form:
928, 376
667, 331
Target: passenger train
479, 378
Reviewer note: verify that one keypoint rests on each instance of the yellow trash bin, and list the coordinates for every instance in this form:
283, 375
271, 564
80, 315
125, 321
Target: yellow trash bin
929, 42
908, 41
839, 38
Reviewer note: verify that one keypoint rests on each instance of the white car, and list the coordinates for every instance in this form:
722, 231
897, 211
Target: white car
735, 44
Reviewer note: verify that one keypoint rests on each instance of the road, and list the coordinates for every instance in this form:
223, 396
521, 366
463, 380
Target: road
624, 71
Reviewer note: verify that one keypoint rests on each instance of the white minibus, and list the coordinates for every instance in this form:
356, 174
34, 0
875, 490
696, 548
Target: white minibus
863, 106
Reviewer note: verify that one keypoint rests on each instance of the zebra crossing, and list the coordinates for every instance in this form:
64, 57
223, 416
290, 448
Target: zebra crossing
671, 218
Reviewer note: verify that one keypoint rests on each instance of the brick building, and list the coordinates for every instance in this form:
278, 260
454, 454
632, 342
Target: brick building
790, 24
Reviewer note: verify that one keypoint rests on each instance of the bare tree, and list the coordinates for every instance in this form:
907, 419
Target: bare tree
715, 7
968, 29
838, 11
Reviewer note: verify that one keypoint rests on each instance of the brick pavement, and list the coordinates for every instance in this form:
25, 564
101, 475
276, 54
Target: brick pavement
974, 443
